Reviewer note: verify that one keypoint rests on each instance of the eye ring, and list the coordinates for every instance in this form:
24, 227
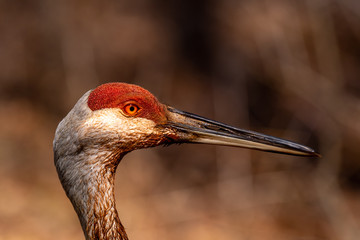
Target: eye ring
131, 109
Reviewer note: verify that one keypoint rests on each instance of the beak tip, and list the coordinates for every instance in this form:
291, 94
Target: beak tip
316, 154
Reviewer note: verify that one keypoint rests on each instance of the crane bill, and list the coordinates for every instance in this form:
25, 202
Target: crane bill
246, 143
197, 129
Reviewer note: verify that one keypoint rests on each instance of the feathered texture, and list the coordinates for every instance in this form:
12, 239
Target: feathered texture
116, 118
88, 146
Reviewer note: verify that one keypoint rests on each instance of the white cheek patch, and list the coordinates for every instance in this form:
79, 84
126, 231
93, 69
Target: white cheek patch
111, 123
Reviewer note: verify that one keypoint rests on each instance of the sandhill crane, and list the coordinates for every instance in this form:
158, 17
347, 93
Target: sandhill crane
116, 118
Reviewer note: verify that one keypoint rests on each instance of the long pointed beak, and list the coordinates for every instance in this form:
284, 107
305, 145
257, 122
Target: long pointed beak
189, 128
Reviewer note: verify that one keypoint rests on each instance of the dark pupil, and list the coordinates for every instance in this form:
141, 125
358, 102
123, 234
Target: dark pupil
132, 108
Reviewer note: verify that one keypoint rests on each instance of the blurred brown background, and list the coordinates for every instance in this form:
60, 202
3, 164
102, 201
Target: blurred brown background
289, 68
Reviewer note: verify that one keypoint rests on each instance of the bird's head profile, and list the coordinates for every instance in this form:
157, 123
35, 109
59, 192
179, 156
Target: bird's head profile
116, 118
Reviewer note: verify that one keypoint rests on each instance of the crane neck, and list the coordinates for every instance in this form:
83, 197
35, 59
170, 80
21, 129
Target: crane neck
90, 187
102, 220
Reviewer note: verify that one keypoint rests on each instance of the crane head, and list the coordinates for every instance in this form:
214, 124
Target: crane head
117, 118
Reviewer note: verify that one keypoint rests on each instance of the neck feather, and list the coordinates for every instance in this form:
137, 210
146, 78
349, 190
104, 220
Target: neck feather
102, 220
90, 187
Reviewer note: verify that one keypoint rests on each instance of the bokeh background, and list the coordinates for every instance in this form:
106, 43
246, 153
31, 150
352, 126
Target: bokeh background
288, 68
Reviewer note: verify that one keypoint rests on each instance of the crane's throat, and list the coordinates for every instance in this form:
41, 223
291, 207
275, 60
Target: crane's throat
102, 220
90, 187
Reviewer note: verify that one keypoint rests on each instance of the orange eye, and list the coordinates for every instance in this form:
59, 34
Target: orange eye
131, 109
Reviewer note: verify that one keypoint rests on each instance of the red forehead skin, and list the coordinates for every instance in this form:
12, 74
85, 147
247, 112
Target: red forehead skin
117, 95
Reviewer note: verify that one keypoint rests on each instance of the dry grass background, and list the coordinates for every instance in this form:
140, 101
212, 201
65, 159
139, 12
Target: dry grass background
289, 68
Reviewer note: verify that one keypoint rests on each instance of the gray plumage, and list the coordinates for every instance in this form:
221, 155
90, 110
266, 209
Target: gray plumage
116, 118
